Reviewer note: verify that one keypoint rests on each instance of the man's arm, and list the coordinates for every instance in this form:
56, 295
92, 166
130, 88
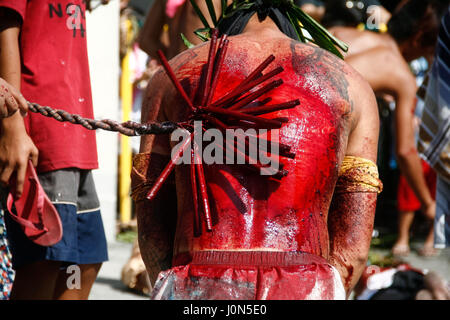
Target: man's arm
156, 219
391, 74
16, 146
351, 215
149, 38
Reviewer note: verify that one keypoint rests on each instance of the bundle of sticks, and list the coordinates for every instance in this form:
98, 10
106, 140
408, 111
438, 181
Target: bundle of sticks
236, 109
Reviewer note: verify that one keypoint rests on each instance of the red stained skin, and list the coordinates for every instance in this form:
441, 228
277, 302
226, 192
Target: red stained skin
349, 233
250, 211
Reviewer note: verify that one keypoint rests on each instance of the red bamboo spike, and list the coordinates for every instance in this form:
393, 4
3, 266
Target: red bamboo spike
245, 89
257, 167
197, 226
246, 147
283, 150
263, 144
209, 67
221, 57
249, 160
256, 94
203, 191
244, 82
167, 170
270, 108
272, 124
263, 102
239, 146
174, 79
215, 121
248, 87
259, 69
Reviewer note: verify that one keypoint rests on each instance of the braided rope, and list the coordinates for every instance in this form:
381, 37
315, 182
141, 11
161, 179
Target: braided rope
129, 128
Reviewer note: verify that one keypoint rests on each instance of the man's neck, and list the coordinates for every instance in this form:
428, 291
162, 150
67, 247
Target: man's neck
266, 27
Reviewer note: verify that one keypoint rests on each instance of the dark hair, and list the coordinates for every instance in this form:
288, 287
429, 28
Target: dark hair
390, 5
344, 13
415, 16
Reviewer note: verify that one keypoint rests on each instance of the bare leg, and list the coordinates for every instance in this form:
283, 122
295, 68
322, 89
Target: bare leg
428, 249
424, 294
429, 241
405, 219
35, 281
87, 274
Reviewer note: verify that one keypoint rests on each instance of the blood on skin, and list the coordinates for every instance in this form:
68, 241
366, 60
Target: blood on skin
250, 211
351, 233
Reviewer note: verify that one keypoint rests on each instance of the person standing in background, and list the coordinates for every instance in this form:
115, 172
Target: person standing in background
44, 54
434, 132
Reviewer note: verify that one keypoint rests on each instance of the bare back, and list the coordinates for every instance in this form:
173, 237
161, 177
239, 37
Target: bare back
252, 212
362, 40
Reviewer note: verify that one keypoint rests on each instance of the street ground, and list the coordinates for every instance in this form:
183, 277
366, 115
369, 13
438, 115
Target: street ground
109, 287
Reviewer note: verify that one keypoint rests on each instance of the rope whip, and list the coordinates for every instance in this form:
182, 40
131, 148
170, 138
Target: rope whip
129, 128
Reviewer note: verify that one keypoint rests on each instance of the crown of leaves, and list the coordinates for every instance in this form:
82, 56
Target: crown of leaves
300, 21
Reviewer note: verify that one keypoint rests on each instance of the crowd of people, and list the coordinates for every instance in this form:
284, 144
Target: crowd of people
385, 39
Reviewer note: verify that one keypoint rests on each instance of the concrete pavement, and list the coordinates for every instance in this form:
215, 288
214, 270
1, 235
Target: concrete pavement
109, 287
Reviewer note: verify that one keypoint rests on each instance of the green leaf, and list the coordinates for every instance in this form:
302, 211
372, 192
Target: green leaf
311, 24
297, 28
187, 43
243, 6
200, 33
200, 14
212, 11
224, 7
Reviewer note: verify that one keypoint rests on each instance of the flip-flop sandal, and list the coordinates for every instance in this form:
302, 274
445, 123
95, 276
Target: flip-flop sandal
400, 250
36, 215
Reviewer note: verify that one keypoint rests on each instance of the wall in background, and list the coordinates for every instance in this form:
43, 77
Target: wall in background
103, 48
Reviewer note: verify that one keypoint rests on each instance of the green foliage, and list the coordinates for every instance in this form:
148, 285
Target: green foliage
187, 43
299, 20
127, 236
381, 260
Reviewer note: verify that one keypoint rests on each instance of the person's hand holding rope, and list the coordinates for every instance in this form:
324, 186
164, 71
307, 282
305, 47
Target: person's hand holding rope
11, 100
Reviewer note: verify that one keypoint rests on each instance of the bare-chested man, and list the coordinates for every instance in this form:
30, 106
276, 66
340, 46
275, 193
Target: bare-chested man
383, 61
180, 17
290, 239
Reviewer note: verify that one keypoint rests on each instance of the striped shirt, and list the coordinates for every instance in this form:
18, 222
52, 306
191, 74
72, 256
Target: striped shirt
434, 134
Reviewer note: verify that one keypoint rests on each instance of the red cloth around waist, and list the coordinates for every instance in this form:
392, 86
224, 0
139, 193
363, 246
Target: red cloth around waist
254, 275
255, 258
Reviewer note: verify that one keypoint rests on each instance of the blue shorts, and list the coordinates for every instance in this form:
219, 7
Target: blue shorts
72, 191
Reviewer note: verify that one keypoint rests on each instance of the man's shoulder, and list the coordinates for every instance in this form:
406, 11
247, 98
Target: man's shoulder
388, 62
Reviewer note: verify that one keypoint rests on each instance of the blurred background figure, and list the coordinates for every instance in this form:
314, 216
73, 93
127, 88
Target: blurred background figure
134, 274
434, 134
165, 23
161, 30
315, 8
389, 52
382, 58
401, 282
362, 14
135, 73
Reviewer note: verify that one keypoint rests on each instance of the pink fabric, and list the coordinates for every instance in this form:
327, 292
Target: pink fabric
172, 6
